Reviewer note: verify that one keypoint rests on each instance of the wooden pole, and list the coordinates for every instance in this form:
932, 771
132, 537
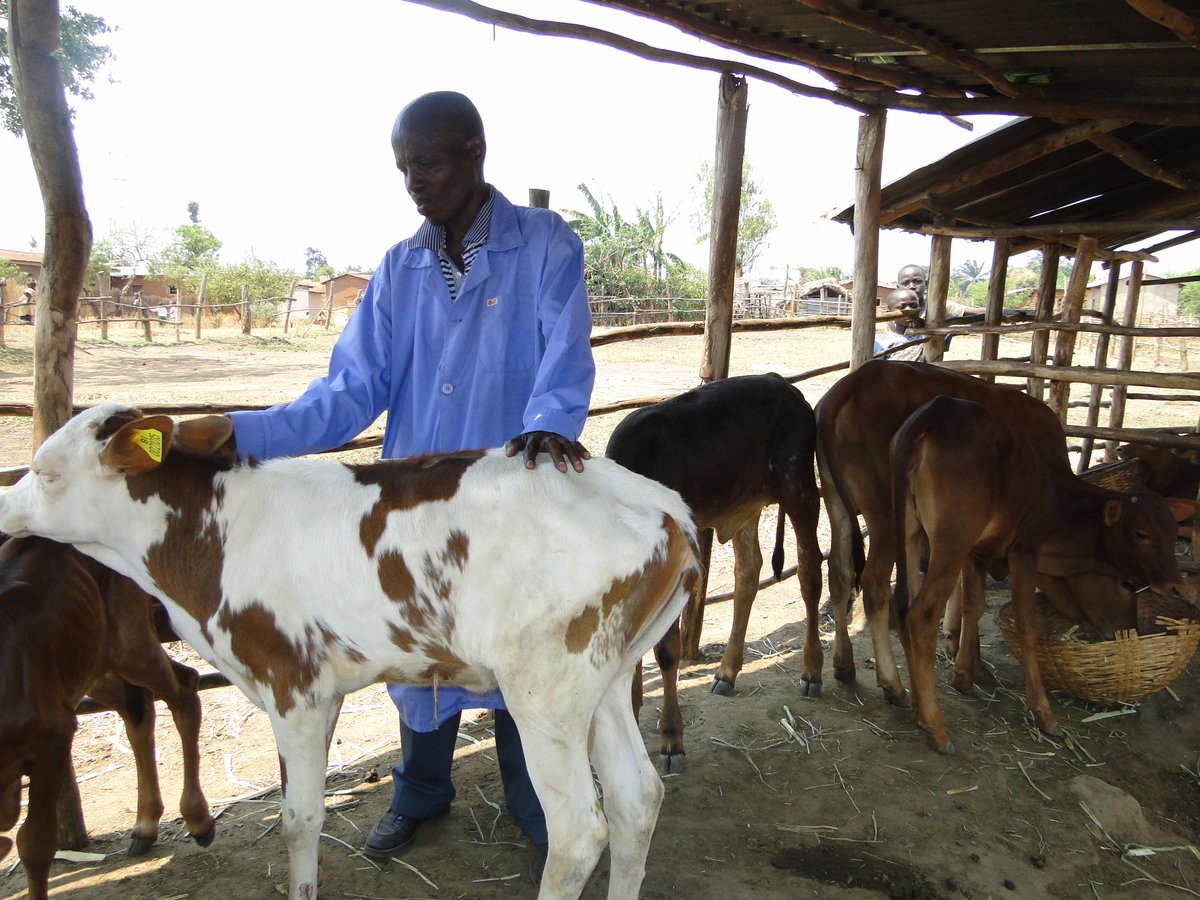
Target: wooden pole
732, 110
104, 315
1097, 392
1047, 287
200, 302
287, 312
936, 291
147, 330
245, 309
990, 348
1064, 347
1125, 351
328, 303
539, 198
868, 167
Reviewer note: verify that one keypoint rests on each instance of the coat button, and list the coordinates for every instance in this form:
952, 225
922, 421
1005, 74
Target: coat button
447, 389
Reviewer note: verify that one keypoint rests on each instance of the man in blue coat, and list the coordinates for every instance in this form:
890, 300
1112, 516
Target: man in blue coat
472, 333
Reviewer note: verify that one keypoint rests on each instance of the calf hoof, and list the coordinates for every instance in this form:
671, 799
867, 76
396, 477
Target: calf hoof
946, 748
1053, 729
963, 682
722, 686
206, 837
810, 688
844, 673
897, 698
672, 763
139, 844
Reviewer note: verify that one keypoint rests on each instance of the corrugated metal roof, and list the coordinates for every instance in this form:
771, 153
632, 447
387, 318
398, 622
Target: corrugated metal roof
964, 55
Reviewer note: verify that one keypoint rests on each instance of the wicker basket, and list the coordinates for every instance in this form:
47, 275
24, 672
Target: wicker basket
1122, 475
1125, 670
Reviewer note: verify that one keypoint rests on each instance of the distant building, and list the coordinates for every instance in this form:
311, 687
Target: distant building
1155, 301
12, 287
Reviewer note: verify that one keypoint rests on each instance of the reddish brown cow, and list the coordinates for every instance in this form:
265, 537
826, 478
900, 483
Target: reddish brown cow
977, 497
68, 626
1164, 470
856, 420
730, 448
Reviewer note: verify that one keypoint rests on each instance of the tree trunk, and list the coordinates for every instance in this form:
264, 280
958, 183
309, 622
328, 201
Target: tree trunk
33, 38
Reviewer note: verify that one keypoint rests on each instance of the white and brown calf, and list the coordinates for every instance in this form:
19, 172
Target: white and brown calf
304, 580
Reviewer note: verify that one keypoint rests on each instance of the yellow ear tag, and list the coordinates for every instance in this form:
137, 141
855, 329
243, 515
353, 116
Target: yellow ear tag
150, 440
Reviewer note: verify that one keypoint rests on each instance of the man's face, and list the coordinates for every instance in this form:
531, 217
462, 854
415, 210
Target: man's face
441, 172
911, 278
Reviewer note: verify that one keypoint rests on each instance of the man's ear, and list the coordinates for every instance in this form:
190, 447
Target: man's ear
139, 446
477, 148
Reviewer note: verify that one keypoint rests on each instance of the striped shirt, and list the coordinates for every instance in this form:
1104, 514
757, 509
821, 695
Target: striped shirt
433, 237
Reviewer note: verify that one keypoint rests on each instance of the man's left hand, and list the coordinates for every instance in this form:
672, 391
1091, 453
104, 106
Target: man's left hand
531, 443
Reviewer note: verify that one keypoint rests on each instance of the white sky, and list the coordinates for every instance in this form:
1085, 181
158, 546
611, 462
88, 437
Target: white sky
274, 115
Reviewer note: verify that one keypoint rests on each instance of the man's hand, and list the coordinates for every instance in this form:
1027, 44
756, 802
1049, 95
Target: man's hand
531, 443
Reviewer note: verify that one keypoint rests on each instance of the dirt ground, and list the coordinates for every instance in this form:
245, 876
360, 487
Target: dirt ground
782, 796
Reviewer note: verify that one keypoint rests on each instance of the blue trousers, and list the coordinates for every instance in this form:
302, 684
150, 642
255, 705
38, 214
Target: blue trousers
421, 785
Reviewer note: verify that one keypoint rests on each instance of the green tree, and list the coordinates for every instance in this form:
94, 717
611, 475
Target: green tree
82, 58
756, 219
625, 257
1189, 295
967, 274
805, 274
193, 249
316, 265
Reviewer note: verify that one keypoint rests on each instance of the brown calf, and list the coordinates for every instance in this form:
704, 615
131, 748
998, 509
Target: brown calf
730, 448
70, 627
978, 497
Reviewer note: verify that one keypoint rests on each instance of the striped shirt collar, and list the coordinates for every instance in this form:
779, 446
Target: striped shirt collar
433, 237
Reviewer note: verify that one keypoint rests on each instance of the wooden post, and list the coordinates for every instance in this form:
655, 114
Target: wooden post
328, 303
287, 313
104, 316
245, 309
200, 302
1093, 411
1125, 350
1039, 345
868, 167
726, 208
1064, 347
539, 198
990, 348
732, 108
936, 291
146, 327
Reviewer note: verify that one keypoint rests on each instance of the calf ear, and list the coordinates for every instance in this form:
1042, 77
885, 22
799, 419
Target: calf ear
1182, 510
207, 436
1112, 512
139, 446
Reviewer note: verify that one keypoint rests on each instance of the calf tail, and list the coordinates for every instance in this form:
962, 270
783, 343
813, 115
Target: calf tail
777, 554
858, 553
902, 452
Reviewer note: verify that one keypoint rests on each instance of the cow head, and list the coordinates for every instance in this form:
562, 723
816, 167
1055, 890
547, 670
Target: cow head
1100, 598
76, 490
1138, 539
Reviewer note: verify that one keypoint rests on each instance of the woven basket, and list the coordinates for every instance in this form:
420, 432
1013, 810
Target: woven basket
1122, 475
1125, 670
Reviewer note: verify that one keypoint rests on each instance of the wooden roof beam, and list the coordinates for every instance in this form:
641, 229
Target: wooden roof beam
1139, 162
828, 65
1062, 229
1005, 162
1046, 108
1171, 17
935, 47
515, 22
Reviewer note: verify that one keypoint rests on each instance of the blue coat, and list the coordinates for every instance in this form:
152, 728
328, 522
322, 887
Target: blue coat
510, 354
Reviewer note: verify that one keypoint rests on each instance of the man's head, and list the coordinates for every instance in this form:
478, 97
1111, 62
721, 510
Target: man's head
439, 146
907, 302
912, 278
